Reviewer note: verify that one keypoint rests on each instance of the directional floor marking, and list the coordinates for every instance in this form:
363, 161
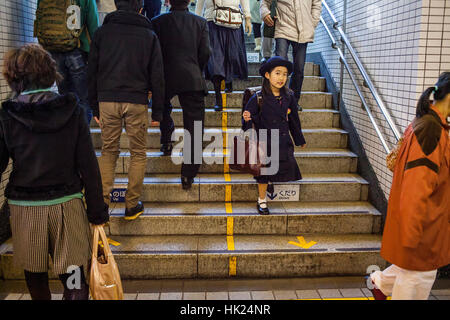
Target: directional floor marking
302, 243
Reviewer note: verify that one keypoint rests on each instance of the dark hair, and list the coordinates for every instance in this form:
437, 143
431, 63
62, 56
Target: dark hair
441, 89
179, 4
267, 89
30, 67
129, 5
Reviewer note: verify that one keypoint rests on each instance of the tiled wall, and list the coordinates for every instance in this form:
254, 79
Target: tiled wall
16, 28
404, 45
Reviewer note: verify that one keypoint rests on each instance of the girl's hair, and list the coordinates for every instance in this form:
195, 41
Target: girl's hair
30, 67
441, 89
267, 89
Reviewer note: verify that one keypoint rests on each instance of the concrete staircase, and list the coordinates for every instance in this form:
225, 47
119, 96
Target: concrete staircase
214, 230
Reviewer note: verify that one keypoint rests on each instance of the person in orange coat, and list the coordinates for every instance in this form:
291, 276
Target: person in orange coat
416, 238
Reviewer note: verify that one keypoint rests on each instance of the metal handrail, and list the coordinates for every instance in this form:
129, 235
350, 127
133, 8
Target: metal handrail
362, 70
352, 77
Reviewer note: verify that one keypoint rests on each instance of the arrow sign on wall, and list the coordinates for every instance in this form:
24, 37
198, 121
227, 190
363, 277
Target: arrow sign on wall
302, 243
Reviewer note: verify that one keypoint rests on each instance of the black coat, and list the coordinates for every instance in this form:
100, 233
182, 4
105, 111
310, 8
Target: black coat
125, 63
48, 139
273, 115
184, 39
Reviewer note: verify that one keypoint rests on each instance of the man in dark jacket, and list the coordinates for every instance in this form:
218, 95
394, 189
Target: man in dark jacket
125, 64
184, 41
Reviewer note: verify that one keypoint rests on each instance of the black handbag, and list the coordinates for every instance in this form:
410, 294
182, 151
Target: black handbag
269, 32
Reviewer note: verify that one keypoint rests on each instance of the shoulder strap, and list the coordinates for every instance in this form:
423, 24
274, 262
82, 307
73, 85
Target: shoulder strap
259, 99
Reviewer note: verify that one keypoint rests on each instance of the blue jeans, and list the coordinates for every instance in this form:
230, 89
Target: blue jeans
299, 54
72, 66
152, 8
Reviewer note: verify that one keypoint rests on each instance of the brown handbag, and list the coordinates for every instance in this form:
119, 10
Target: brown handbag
253, 148
105, 283
391, 158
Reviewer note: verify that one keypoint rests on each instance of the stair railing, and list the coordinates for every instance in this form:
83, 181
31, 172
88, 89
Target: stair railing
364, 74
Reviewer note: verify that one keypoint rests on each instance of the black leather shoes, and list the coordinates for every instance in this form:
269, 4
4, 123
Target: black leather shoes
166, 149
133, 213
262, 211
186, 183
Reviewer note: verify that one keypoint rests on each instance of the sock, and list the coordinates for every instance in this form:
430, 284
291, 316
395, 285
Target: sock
262, 203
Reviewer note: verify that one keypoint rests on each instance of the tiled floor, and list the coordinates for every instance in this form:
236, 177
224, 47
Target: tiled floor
235, 289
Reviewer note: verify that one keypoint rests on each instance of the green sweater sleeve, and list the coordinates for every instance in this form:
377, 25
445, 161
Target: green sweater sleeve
90, 22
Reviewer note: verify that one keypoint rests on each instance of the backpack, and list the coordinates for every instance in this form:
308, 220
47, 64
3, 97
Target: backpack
248, 93
58, 25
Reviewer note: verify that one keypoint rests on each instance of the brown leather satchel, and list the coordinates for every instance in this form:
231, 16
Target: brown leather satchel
252, 148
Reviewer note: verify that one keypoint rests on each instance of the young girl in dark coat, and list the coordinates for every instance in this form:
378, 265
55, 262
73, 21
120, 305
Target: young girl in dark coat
279, 110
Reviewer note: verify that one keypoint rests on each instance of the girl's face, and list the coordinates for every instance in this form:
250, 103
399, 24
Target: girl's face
278, 77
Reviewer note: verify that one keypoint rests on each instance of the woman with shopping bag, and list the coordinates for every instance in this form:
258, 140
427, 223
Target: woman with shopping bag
47, 137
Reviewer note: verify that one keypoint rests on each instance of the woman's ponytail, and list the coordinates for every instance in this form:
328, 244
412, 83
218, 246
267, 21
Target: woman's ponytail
440, 90
423, 106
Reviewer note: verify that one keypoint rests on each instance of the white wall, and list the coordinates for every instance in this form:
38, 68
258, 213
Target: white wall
404, 46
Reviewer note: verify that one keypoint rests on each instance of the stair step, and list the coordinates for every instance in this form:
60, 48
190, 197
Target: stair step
243, 187
309, 161
308, 99
150, 257
310, 83
315, 138
212, 218
310, 118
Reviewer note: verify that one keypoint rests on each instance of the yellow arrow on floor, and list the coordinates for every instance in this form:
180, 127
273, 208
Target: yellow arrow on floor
302, 243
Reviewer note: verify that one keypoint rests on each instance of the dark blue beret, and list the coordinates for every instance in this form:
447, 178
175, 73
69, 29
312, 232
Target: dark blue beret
274, 62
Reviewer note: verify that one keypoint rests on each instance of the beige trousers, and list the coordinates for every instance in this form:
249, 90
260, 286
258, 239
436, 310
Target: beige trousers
113, 117
404, 284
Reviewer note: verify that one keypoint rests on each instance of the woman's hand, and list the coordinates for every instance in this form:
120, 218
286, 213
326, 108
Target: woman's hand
248, 25
269, 21
303, 146
247, 116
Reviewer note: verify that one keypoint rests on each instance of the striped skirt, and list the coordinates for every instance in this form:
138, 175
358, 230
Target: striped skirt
61, 231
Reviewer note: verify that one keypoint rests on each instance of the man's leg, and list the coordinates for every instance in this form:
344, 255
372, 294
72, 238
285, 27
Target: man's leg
76, 63
299, 53
136, 125
156, 8
60, 58
166, 126
413, 285
193, 110
281, 48
111, 126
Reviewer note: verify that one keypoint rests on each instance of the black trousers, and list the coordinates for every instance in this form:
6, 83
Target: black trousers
193, 105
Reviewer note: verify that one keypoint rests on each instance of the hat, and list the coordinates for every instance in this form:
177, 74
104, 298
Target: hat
274, 62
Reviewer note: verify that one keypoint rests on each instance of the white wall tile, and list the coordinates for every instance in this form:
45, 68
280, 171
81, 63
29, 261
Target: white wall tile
403, 56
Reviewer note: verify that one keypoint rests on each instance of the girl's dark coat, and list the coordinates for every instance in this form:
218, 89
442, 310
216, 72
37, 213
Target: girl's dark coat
273, 116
